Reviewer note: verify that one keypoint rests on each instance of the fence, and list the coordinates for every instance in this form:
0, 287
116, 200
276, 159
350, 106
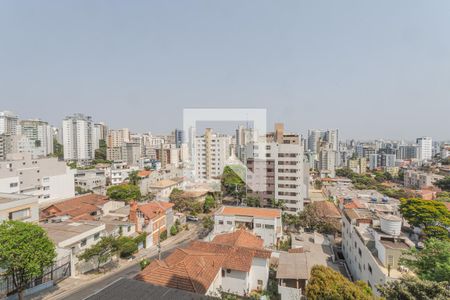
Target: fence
57, 272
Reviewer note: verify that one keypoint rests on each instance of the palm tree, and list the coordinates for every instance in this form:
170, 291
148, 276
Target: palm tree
133, 177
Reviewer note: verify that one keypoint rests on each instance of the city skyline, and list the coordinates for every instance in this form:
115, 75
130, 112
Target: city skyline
371, 71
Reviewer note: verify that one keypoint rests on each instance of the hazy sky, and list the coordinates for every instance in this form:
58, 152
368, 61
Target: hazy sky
370, 68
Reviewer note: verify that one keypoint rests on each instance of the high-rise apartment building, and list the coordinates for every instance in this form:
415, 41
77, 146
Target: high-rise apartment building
78, 131
39, 135
115, 141
425, 145
327, 160
277, 170
211, 151
8, 123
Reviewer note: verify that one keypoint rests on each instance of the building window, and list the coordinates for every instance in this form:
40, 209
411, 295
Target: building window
223, 273
359, 251
257, 225
229, 222
220, 222
228, 271
370, 268
83, 242
96, 236
14, 184
20, 214
267, 226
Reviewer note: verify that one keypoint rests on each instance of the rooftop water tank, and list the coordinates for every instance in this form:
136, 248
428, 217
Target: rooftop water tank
373, 199
385, 199
391, 224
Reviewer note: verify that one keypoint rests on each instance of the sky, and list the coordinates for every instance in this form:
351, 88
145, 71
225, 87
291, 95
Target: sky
373, 69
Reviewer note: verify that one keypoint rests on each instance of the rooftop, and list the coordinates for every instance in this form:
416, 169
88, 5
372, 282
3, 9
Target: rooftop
293, 266
130, 289
250, 212
164, 183
195, 267
8, 198
80, 207
327, 209
239, 238
62, 231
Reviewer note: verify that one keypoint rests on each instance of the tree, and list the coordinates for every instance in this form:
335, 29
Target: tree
126, 246
100, 153
58, 149
134, 178
25, 251
444, 183
232, 182
209, 204
430, 263
208, 223
100, 252
274, 203
173, 230
252, 201
325, 283
124, 192
425, 213
413, 288
313, 219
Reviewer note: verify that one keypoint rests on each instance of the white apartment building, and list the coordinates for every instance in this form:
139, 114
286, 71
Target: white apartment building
48, 179
372, 244
211, 152
265, 223
78, 131
425, 145
277, 171
8, 123
39, 135
115, 141
327, 160
91, 180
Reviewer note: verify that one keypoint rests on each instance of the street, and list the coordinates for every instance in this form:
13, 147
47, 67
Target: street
73, 289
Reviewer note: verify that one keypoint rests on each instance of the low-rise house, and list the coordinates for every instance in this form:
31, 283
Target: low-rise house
372, 243
153, 218
292, 274
75, 237
164, 187
19, 207
233, 262
85, 207
116, 227
265, 223
91, 180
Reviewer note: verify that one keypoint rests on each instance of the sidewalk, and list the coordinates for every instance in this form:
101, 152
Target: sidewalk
129, 267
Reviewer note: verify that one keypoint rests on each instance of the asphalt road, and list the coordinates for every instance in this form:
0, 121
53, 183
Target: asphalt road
131, 271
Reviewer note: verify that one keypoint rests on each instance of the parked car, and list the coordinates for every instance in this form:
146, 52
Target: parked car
192, 218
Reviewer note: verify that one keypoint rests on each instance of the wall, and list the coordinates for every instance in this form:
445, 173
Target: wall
235, 282
259, 271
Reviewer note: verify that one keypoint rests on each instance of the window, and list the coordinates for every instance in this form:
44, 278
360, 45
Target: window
257, 225
96, 236
370, 268
267, 226
359, 251
128, 228
228, 270
14, 184
83, 242
20, 214
223, 273
229, 222
220, 222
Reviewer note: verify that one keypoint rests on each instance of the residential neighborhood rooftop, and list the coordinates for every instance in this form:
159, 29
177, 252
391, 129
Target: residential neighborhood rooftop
250, 212
63, 231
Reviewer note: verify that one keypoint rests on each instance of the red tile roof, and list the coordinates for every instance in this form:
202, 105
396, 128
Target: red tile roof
250, 212
154, 208
195, 267
79, 208
184, 269
143, 173
239, 238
